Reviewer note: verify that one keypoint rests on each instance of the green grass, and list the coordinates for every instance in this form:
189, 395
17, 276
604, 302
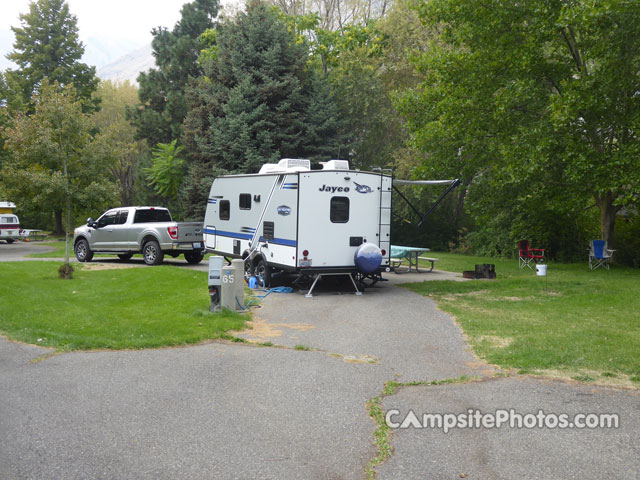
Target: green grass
128, 308
572, 320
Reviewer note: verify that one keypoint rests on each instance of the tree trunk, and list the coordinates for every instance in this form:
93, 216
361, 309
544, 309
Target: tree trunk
608, 213
59, 229
462, 194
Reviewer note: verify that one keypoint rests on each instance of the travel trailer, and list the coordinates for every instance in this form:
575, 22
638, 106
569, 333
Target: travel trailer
288, 217
9, 223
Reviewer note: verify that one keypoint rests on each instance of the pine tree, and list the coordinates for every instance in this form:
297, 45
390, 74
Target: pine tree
162, 109
257, 102
47, 46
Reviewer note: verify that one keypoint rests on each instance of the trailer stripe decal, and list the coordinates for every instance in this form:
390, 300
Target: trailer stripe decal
281, 241
244, 236
212, 200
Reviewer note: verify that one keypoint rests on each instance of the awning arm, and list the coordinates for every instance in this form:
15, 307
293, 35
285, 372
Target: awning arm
397, 181
452, 184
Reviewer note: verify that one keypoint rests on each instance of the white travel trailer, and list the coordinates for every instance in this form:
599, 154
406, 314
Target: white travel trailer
290, 218
9, 223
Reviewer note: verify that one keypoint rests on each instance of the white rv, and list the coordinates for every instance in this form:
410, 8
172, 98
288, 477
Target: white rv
9, 223
290, 218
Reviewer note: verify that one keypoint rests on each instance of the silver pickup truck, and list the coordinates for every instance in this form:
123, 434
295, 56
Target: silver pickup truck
147, 230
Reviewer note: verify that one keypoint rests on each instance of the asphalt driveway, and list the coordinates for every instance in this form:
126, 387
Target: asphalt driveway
230, 411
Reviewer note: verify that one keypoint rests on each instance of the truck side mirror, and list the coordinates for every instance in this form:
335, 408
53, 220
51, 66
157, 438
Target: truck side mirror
90, 222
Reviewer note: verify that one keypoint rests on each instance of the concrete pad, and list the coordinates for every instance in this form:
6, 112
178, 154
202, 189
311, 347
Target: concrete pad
392, 326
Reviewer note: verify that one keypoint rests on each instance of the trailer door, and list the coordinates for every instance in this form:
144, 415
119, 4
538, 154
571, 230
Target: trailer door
338, 211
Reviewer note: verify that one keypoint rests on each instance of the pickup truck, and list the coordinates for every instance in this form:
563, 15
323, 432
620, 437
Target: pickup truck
150, 231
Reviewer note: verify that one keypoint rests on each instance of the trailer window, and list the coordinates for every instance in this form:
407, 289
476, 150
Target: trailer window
225, 209
245, 201
339, 212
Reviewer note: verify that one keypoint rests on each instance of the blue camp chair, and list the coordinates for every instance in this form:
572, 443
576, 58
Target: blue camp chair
599, 254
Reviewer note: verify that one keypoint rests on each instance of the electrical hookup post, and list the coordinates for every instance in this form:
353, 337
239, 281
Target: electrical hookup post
226, 285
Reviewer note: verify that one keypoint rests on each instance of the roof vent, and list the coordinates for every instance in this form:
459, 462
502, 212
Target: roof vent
287, 165
335, 165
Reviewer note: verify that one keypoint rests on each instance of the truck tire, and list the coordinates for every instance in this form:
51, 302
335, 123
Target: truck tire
193, 257
9, 240
125, 256
152, 253
263, 270
82, 251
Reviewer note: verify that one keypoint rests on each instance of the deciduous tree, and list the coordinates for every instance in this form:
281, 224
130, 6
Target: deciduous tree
537, 99
51, 165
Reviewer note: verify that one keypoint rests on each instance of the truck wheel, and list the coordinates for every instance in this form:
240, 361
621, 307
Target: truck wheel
263, 270
9, 240
193, 257
82, 251
152, 253
125, 256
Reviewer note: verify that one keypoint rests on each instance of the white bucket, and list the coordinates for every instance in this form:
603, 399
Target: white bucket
541, 270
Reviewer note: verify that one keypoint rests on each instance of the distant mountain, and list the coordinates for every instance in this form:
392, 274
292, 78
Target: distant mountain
129, 66
102, 50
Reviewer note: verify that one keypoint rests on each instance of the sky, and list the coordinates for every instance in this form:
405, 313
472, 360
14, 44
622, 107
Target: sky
108, 29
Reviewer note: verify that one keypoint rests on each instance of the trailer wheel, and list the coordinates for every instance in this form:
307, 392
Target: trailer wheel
193, 257
263, 270
248, 267
9, 240
152, 253
82, 251
125, 256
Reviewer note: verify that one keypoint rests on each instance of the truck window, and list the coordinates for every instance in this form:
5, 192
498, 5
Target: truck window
107, 219
225, 210
339, 212
245, 201
122, 217
150, 215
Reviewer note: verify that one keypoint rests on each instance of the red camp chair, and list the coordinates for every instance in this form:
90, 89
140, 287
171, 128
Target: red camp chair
529, 255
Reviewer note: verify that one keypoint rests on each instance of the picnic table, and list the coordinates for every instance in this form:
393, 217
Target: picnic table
411, 254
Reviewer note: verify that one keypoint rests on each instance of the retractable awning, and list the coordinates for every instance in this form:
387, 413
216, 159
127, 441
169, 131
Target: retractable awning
452, 184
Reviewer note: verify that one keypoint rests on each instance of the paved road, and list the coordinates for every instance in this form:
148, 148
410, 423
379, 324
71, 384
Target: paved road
20, 251
229, 411
508, 453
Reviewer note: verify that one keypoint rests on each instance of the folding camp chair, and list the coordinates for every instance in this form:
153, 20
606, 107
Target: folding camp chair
599, 254
528, 255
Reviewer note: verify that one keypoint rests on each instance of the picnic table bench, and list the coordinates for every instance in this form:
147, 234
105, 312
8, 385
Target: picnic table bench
399, 254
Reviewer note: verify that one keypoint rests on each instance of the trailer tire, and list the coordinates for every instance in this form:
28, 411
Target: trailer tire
152, 253
263, 270
9, 240
249, 269
193, 257
82, 251
125, 256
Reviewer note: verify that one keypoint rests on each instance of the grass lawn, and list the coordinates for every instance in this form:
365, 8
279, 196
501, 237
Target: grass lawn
574, 322
125, 308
